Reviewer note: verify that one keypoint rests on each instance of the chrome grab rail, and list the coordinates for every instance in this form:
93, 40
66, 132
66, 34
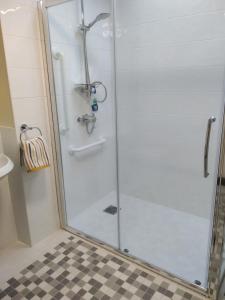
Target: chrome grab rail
73, 150
207, 140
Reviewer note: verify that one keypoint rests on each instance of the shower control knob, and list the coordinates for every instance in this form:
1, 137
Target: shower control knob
87, 118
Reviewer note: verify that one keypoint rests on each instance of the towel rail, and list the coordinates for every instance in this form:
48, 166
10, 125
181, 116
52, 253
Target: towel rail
24, 128
73, 149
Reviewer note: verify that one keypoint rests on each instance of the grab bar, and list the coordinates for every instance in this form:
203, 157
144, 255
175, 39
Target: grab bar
58, 56
207, 140
73, 150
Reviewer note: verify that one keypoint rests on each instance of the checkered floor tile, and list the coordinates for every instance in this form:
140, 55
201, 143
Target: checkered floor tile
77, 269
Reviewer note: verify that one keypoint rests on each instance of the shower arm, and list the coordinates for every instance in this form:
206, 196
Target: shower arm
87, 74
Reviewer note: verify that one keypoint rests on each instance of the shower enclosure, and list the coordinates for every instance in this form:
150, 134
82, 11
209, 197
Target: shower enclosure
141, 171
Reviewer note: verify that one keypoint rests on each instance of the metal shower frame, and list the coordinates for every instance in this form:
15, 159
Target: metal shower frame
217, 240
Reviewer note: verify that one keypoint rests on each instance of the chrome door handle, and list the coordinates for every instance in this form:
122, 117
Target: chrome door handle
207, 140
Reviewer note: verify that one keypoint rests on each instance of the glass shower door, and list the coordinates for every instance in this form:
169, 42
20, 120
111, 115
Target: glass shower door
170, 60
87, 151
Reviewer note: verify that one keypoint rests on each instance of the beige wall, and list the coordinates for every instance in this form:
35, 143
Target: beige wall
8, 233
24, 61
13, 215
6, 116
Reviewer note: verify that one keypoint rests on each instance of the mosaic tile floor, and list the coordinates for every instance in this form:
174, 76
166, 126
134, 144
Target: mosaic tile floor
78, 269
145, 237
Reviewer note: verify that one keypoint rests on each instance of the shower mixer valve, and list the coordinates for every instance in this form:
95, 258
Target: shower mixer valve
88, 120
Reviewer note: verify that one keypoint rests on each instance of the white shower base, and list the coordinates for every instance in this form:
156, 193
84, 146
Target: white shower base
175, 241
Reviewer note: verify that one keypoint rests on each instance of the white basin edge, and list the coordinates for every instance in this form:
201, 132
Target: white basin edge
6, 165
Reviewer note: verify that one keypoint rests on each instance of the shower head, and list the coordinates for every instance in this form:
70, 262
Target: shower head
99, 17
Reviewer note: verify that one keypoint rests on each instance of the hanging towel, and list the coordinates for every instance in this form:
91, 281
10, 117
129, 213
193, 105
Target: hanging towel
34, 154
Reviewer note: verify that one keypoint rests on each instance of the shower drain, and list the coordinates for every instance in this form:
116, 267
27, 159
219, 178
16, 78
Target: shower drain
197, 282
112, 210
126, 250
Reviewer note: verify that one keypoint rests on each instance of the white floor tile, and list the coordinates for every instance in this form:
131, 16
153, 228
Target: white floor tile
175, 241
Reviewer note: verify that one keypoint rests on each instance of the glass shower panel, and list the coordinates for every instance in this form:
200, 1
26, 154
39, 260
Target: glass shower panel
87, 150
170, 60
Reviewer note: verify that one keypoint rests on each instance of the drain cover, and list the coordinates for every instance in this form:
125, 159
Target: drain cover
197, 282
112, 210
126, 250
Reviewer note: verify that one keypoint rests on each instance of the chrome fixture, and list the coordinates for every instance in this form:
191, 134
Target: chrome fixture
88, 89
217, 236
89, 121
24, 128
211, 120
85, 28
82, 28
85, 89
99, 17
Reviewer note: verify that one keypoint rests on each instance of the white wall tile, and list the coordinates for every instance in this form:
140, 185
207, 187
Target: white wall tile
26, 17
183, 55
11, 6
22, 52
176, 30
26, 83
36, 109
170, 79
161, 9
41, 204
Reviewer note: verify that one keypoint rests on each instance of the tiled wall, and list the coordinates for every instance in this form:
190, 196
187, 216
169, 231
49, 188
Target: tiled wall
21, 34
170, 62
6, 116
